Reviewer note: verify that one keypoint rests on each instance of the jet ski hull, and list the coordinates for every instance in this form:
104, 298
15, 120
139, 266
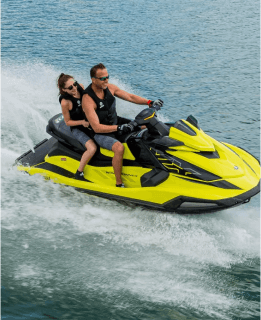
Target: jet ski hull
149, 187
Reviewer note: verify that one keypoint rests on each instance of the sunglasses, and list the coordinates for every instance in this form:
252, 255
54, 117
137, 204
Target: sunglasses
102, 78
71, 87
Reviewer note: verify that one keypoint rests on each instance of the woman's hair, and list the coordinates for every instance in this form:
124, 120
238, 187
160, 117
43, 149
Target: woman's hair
63, 78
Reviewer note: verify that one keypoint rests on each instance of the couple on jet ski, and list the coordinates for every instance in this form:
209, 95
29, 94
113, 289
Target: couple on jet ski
91, 115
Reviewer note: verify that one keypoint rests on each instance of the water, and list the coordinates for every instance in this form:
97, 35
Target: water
66, 255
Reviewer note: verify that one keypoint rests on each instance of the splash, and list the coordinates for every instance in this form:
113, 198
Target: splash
27, 101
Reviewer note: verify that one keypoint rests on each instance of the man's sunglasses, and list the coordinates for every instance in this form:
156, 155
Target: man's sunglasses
71, 87
102, 78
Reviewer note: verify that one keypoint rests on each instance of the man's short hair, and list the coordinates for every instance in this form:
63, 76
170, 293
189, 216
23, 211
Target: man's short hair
95, 68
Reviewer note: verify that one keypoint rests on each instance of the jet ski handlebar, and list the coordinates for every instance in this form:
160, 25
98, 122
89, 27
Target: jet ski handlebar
149, 118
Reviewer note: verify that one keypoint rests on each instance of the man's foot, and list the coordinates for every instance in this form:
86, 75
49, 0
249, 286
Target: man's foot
121, 185
79, 176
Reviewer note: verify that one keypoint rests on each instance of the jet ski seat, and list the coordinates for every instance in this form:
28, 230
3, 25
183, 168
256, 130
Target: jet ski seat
59, 130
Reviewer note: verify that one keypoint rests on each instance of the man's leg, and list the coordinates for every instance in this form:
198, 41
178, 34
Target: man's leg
118, 150
109, 142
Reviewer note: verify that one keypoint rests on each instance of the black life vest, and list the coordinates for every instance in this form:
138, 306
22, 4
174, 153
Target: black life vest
106, 108
77, 112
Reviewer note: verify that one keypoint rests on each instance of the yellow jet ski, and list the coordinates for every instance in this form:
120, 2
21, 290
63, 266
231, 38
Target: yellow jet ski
169, 166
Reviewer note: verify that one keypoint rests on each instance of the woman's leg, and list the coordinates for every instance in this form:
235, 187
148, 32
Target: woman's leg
88, 154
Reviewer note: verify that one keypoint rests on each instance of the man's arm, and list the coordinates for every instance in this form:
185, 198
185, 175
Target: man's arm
88, 106
126, 95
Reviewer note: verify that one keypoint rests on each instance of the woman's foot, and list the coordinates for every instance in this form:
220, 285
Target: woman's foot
79, 176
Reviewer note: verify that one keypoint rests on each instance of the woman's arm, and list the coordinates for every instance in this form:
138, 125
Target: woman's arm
66, 106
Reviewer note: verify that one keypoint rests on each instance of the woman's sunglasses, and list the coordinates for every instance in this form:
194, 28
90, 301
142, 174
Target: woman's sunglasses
71, 87
102, 78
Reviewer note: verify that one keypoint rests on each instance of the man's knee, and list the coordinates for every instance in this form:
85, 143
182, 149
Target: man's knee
118, 148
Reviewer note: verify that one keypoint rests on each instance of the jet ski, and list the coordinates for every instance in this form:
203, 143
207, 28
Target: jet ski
174, 167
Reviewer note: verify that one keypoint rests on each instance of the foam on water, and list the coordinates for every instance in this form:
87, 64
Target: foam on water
160, 257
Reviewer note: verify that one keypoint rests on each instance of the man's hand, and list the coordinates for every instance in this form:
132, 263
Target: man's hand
157, 104
125, 128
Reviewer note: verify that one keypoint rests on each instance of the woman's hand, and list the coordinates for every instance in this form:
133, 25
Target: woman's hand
86, 124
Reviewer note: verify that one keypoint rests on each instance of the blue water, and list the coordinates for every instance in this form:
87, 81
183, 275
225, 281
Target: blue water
66, 255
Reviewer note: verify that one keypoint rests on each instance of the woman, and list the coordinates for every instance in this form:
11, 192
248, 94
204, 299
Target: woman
71, 103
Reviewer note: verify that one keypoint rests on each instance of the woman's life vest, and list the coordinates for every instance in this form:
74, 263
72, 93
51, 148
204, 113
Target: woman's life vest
77, 112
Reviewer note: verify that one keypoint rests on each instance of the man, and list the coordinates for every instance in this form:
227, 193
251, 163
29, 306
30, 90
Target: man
99, 105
